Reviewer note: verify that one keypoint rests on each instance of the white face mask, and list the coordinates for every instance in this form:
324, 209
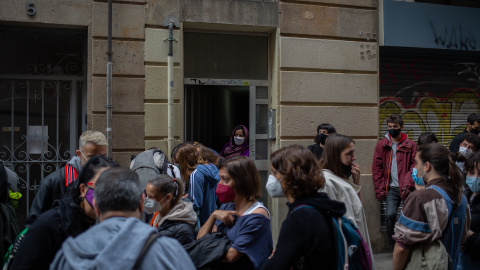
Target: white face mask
465, 151
274, 187
238, 140
152, 206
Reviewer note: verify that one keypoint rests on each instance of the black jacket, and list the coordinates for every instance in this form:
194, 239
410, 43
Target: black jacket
316, 149
457, 140
179, 230
45, 237
307, 238
472, 244
207, 251
53, 187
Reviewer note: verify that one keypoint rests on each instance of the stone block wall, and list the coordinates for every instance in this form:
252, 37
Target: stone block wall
327, 57
128, 46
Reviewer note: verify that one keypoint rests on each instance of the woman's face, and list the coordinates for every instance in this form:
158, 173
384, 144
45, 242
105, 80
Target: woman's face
225, 178
347, 156
277, 174
324, 131
163, 200
89, 211
239, 133
475, 172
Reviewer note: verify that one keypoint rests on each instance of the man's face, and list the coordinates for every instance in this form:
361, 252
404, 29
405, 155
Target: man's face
468, 145
475, 128
89, 150
394, 126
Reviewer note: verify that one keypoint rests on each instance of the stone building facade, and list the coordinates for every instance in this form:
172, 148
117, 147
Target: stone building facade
322, 66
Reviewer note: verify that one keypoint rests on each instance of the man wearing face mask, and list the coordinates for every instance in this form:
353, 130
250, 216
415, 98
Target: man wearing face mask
473, 126
323, 130
469, 145
394, 157
56, 184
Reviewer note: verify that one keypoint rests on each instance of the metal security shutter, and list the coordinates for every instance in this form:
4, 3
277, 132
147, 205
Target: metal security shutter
434, 90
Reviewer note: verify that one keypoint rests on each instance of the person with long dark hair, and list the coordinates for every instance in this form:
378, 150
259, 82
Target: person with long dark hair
438, 212
337, 163
69, 216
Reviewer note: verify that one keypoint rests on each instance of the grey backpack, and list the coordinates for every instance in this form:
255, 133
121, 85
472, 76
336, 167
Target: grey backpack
149, 164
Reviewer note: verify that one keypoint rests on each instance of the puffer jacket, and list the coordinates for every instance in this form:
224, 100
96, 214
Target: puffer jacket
182, 231
382, 162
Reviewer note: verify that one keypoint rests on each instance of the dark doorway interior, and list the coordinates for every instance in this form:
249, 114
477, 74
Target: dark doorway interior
211, 112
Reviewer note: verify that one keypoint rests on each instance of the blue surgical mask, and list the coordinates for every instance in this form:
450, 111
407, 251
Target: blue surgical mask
418, 180
473, 183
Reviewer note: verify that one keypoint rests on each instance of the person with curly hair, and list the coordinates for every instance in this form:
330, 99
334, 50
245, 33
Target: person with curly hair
307, 236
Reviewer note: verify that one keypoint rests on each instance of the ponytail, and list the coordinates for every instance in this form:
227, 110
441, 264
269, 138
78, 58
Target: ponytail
441, 160
456, 177
165, 184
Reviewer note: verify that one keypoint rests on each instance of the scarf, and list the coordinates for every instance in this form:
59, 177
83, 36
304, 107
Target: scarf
232, 150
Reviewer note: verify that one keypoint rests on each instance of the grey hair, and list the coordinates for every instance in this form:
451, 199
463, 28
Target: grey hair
118, 189
92, 136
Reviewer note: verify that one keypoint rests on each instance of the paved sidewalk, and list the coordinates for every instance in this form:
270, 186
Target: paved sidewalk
383, 261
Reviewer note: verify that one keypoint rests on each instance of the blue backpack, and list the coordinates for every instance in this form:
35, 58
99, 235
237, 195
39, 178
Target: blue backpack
352, 251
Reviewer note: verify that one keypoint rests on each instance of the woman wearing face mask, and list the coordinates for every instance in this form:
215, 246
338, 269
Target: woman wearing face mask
244, 220
172, 216
306, 237
470, 249
323, 130
69, 216
438, 212
337, 164
238, 143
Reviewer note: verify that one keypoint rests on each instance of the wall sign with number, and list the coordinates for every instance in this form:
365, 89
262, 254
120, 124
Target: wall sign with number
31, 9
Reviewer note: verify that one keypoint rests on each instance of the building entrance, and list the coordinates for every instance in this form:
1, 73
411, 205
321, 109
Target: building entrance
42, 103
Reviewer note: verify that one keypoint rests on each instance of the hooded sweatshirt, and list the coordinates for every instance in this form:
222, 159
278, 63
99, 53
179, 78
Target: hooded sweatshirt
307, 235
116, 243
202, 186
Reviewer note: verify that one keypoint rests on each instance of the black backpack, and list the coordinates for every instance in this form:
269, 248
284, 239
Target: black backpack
149, 164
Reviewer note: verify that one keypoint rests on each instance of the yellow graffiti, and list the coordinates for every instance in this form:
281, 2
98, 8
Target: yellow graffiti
446, 117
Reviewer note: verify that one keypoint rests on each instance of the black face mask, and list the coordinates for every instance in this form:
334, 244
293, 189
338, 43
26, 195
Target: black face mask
347, 170
321, 138
474, 131
394, 132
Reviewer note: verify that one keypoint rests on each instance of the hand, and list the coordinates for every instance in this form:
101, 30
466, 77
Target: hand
470, 233
356, 173
225, 216
271, 255
185, 196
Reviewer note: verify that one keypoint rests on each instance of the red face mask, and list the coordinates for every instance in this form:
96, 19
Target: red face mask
225, 193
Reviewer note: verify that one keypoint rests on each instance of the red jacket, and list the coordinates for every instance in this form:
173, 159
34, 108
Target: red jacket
381, 166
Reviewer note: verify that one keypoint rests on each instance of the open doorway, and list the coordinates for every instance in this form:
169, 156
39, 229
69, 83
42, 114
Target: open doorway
211, 113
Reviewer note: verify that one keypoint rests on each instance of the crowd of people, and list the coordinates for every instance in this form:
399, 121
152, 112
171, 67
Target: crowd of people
200, 209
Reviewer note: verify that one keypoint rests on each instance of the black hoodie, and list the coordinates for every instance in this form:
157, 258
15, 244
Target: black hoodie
307, 239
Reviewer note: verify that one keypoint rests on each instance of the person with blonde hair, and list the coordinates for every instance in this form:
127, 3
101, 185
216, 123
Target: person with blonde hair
55, 185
